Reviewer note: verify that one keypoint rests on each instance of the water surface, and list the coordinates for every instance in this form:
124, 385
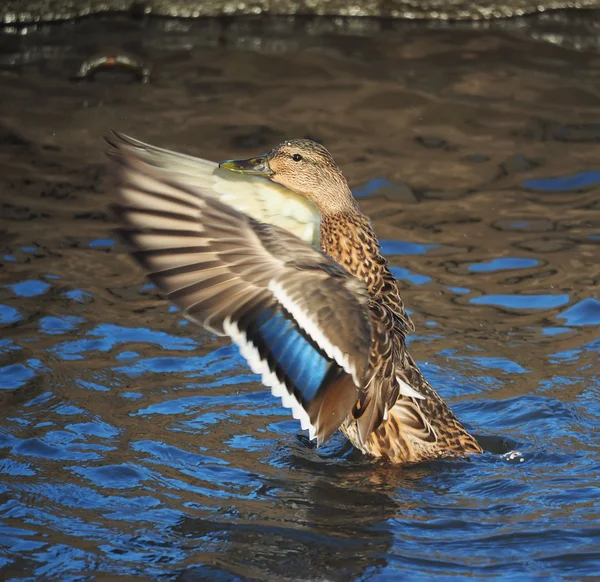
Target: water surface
133, 444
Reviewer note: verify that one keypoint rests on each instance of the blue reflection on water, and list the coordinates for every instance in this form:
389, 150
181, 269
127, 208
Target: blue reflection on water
127, 355
58, 325
102, 243
459, 290
370, 187
218, 361
95, 386
114, 335
406, 275
585, 312
503, 264
9, 314
401, 247
555, 330
489, 363
77, 295
15, 375
522, 301
566, 183
29, 288
7, 345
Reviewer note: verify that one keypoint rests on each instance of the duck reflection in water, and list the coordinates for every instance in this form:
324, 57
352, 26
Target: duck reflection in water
338, 525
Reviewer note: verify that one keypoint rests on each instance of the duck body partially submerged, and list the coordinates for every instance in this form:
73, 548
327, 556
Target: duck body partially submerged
274, 252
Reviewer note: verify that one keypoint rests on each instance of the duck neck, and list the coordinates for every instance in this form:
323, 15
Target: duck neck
348, 238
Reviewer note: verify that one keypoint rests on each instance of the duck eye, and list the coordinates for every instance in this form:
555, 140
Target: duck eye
296, 157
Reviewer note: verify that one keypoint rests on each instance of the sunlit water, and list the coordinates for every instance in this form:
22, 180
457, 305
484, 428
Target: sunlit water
134, 444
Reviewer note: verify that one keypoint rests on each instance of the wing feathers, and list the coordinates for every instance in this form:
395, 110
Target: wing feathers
161, 260
159, 200
159, 220
157, 240
327, 410
294, 314
260, 366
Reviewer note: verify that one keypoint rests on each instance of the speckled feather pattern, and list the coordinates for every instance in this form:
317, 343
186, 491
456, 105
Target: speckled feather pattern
415, 429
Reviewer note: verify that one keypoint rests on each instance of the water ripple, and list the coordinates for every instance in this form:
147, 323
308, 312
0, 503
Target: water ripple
135, 445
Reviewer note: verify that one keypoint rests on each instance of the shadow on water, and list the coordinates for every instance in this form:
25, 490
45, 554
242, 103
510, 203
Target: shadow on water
133, 444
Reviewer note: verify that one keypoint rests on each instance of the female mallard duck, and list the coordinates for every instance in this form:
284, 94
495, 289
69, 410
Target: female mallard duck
326, 329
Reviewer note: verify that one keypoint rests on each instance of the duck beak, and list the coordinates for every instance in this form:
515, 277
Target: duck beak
254, 166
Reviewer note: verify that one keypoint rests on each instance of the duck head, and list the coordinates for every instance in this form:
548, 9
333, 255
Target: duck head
306, 168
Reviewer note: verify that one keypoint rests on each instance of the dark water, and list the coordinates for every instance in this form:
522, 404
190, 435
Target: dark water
136, 446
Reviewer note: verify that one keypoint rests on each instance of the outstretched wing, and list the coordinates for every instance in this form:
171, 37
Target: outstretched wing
257, 197
299, 319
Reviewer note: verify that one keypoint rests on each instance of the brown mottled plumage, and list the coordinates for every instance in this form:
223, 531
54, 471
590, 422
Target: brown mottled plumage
415, 429
246, 276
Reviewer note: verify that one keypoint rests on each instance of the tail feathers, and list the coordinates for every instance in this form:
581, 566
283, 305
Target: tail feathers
413, 420
371, 413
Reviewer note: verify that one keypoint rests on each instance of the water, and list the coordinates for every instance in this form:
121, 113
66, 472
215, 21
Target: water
135, 445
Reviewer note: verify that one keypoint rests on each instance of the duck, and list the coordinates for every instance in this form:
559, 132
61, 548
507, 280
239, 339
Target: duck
274, 252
